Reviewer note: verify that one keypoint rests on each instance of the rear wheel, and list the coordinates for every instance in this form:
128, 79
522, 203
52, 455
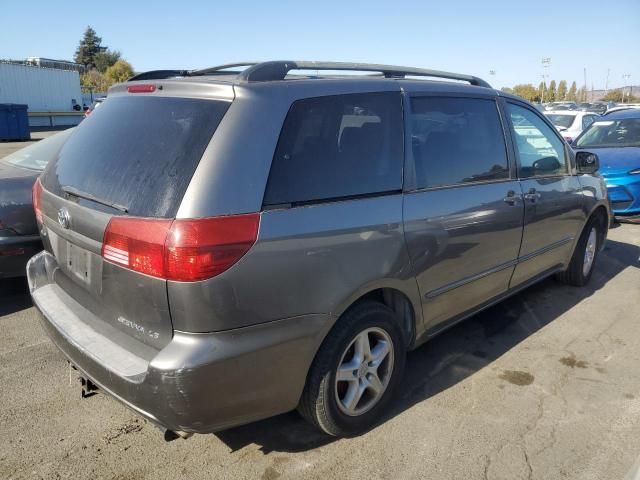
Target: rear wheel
584, 257
356, 371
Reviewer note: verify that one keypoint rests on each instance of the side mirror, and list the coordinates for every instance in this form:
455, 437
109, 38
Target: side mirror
546, 164
587, 162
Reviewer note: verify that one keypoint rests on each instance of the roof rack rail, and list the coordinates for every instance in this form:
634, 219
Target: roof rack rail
158, 74
220, 69
278, 70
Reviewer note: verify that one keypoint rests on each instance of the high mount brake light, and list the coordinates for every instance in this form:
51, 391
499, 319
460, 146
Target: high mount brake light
36, 194
141, 88
180, 250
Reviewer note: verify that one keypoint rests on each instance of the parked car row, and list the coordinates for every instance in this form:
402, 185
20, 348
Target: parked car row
256, 242
594, 107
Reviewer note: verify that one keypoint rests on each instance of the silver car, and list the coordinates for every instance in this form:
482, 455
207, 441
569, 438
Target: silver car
229, 244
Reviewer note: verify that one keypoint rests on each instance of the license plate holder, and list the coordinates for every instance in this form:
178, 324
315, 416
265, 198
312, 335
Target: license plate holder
78, 263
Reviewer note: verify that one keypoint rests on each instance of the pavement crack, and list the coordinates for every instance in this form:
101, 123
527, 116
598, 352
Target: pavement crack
526, 459
487, 464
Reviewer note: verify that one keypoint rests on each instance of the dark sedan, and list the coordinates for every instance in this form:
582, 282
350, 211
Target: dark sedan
19, 238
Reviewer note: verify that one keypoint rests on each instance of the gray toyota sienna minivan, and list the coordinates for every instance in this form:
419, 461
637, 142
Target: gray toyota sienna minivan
228, 244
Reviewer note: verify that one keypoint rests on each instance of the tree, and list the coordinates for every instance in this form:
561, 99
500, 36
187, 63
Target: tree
616, 96
105, 59
551, 91
120, 71
88, 48
526, 91
562, 90
582, 94
94, 81
572, 96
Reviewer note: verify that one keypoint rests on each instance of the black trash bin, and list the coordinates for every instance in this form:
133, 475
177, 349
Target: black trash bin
14, 122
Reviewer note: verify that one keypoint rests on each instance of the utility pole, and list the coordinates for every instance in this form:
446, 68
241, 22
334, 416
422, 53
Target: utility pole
546, 62
606, 85
585, 85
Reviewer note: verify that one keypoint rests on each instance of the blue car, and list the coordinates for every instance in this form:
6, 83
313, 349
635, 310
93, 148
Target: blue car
615, 138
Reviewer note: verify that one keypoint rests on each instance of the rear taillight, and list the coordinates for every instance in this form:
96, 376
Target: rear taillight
199, 249
36, 195
180, 250
136, 243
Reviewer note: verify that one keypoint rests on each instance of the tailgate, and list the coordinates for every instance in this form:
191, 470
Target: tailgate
133, 157
133, 303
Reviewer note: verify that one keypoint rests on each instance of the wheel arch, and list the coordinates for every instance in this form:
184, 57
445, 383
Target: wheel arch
601, 212
403, 301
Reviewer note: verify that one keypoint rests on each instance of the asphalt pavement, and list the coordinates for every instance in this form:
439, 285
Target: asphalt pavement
9, 147
545, 385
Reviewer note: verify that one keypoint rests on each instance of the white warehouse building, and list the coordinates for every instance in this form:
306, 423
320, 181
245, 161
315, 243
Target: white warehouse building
49, 93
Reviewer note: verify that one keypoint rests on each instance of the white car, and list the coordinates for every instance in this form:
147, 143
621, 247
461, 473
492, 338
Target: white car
624, 106
571, 123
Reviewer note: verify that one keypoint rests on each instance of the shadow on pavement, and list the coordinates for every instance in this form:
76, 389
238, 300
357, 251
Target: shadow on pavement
454, 355
14, 295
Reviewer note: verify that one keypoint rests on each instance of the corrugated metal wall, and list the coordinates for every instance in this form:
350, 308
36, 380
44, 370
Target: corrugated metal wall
42, 89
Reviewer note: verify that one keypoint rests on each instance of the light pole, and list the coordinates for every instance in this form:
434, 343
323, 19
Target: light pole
625, 77
546, 62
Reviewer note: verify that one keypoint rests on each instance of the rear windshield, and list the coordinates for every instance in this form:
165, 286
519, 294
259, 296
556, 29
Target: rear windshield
136, 153
37, 155
611, 133
561, 120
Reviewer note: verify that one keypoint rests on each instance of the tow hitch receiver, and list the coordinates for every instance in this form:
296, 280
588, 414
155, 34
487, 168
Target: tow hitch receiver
88, 387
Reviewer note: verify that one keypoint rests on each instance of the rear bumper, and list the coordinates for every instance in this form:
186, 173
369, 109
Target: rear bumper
15, 252
198, 383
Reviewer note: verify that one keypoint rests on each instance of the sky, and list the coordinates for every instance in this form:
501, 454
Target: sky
509, 38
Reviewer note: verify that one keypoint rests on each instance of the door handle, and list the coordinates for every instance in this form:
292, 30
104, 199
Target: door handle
511, 198
532, 195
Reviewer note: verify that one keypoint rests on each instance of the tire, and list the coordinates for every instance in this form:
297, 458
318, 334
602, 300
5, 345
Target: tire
576, 274
325, 399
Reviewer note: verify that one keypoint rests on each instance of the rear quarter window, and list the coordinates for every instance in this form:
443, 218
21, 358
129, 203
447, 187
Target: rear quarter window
338, 146
137, 152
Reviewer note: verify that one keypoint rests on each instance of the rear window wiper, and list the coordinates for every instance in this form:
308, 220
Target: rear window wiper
87, 196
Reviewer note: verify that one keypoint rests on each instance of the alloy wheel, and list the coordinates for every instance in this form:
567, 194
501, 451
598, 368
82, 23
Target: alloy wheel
364, 371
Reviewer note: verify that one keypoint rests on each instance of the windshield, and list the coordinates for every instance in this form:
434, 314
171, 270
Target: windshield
37, 155
136, 153
561, 120
611, 133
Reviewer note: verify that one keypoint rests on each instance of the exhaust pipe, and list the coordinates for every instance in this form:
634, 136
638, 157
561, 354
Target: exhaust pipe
171, 435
